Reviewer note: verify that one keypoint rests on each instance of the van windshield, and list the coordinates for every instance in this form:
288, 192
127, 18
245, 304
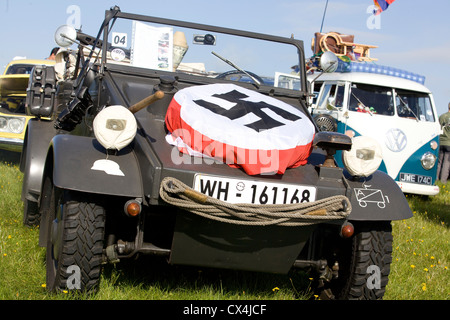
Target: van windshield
415, 105
371, 99
378, 100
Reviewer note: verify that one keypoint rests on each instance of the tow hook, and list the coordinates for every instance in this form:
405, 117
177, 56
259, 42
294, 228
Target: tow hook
327, 274
111, 255
112, 251
335, 270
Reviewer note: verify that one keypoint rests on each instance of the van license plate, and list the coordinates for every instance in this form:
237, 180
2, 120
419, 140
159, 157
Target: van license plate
252, 192
415, 178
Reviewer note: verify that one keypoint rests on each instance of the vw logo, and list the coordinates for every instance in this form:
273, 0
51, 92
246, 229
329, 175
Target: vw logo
395, 140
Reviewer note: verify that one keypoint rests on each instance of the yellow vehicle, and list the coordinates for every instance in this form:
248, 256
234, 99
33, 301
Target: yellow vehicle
13, 91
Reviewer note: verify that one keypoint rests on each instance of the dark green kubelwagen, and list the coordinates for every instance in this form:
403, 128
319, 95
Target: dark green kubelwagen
194, 142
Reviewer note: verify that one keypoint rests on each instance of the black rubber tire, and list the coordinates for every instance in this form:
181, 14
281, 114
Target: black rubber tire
31, 214
75, 238
369, 249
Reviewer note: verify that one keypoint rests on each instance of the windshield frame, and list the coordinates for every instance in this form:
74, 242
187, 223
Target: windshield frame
112, 15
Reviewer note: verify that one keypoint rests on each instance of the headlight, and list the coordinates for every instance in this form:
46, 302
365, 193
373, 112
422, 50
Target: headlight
3, 123
115, 127
428, 160
16, 125
363, 158
12, 124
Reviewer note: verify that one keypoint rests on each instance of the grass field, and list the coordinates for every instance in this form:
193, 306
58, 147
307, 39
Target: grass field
420, 268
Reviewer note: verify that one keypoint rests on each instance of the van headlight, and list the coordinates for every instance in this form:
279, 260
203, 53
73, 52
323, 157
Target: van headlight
115, 127
363, 158
428, 160
12, 124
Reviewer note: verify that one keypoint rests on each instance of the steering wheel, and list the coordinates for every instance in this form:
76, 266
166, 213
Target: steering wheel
237, 75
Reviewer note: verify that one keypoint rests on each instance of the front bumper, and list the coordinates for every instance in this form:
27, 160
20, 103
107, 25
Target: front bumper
11, 144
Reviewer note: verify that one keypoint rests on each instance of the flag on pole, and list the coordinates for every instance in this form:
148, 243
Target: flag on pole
381, 5
240, 127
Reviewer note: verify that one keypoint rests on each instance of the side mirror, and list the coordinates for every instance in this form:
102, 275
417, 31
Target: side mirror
65, 36
328, 62
207, 39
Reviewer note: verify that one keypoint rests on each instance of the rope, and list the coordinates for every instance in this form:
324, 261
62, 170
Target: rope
178, 194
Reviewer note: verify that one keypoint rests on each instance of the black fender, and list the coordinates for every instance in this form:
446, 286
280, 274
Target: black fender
32, 162
74, 167
377, 198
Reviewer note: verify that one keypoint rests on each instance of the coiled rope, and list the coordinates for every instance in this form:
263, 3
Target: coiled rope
178, 194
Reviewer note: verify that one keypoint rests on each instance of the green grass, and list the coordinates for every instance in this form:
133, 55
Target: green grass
419, 270
421, 250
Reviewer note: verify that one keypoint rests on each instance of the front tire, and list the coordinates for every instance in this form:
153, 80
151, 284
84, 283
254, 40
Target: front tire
31, 214
364, 263
75, 242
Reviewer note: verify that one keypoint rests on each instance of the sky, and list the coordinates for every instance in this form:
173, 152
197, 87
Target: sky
412, 35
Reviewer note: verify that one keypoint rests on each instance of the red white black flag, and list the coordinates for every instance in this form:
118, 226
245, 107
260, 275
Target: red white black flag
240, 127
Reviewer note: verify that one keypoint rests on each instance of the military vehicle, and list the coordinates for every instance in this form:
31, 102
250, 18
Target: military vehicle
187, 141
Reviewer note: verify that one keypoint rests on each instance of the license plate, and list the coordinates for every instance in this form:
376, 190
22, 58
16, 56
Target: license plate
251, 191
415, 178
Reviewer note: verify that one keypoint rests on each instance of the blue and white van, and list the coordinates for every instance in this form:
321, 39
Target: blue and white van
391, 106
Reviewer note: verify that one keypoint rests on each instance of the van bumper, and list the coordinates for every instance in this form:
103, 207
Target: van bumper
415, 188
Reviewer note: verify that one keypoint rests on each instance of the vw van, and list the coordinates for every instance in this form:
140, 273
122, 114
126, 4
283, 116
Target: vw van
391, 106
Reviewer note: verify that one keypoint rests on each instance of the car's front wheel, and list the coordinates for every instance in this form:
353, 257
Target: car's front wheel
75, 242
364, 263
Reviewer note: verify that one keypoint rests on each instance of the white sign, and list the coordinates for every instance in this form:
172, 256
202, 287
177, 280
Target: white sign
152, 47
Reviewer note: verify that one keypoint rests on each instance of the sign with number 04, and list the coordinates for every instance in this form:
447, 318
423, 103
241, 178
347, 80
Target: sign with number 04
119, 39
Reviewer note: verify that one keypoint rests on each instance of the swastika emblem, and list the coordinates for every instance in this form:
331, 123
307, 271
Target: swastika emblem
243, 107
